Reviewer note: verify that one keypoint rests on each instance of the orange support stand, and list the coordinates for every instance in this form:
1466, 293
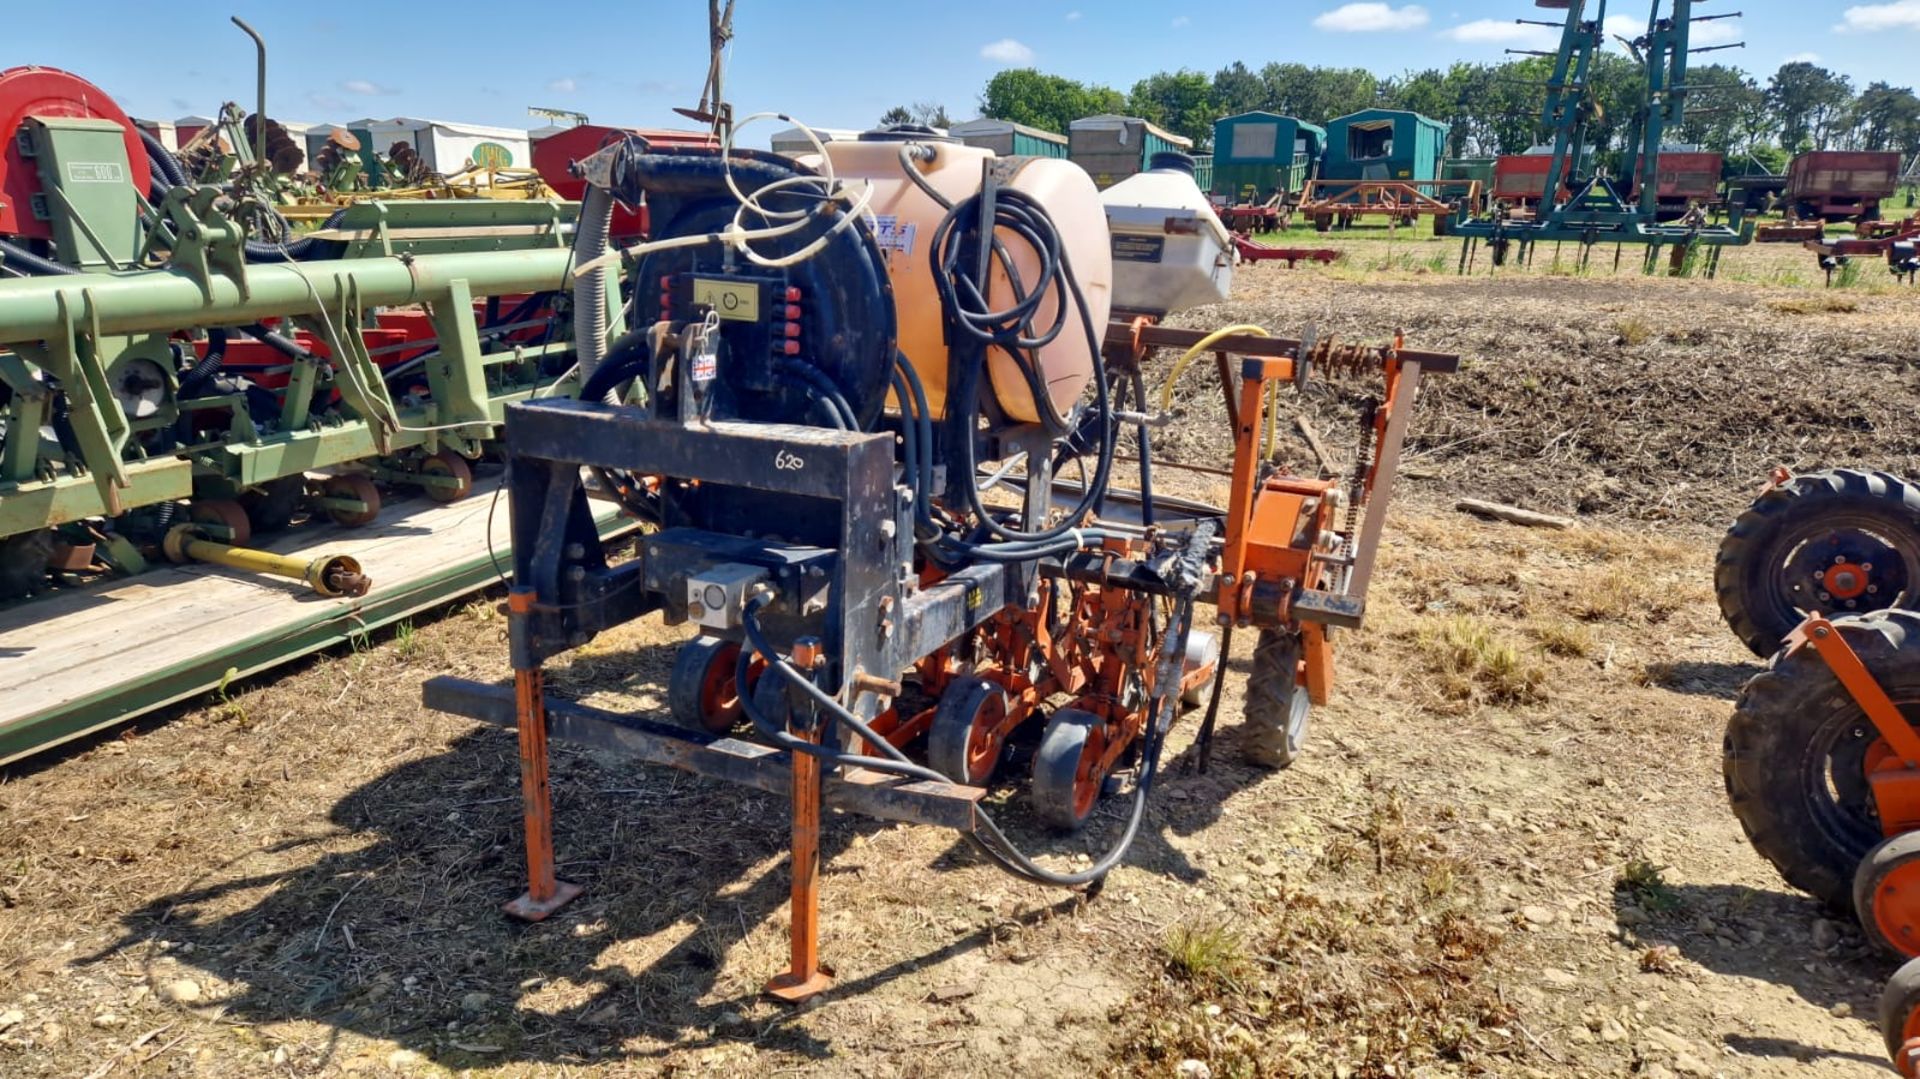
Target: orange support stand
805, 976
545, 892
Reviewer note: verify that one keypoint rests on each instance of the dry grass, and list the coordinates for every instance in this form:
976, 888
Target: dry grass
1815, 305
1473, 662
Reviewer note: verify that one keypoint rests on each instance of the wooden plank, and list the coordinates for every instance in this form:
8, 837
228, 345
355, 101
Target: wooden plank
79, 660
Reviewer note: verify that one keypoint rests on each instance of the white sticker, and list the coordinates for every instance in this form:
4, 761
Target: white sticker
894, 234
706, 366
96, 172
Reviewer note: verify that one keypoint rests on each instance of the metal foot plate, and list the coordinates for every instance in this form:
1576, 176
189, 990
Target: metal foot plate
794, 989
528, 909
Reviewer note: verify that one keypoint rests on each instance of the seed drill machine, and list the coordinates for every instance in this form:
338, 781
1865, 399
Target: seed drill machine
876, 402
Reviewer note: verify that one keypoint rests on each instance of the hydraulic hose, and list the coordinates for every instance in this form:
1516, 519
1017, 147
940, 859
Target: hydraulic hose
196, 379
167, 174
591, 283
12, 254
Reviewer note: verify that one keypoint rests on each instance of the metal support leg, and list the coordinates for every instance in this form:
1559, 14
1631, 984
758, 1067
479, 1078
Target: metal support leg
545, 892
805, 976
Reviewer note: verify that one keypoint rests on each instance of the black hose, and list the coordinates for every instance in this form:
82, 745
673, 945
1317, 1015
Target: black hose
12, 254
196, 379
163, 159
628, 357
167, 174
828, 394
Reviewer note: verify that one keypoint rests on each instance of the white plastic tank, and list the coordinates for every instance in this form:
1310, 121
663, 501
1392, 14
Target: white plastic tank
905, 218
1170, 251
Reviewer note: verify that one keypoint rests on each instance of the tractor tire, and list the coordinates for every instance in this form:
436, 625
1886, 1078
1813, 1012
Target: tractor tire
1764, 575
1795, 755
1277, 710
1900, 1014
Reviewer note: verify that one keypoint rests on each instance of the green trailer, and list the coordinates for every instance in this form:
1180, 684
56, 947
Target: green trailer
1257, 155
1384, 144
1008, 139
1112, 148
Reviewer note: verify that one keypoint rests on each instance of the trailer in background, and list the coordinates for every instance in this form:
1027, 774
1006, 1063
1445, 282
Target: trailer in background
1841, 185
555, 152
1112, 148
1684, 178
793, 142
1257, 155
1008, 139
447, 147
1520, 180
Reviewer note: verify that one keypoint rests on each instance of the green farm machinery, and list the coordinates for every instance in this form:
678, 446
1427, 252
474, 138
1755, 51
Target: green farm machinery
1601, 209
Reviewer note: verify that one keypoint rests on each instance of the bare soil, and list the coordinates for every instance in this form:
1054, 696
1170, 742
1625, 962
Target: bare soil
1506, 852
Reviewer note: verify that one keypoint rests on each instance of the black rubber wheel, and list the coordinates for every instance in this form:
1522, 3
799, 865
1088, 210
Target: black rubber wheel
953, 749
1278, 710
1886, 895
1796, 750
271, 506
1900, 1013
1775, 562
23, 563
1065, 784
702, 694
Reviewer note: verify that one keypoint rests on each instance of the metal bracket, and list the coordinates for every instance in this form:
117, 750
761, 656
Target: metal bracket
205, 241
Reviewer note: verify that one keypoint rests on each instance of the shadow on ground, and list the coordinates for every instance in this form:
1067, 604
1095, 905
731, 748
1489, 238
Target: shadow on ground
393, 930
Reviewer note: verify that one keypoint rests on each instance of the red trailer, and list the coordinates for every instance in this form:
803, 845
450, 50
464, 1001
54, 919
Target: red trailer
1838, 185
553, 159
1521, 179
1683, 178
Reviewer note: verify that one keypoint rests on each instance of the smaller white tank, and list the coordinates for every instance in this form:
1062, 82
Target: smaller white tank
1170, 251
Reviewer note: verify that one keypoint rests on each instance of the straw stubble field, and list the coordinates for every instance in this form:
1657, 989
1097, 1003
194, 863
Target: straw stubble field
1506, 853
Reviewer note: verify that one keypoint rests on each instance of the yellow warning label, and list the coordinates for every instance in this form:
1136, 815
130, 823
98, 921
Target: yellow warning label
729, 299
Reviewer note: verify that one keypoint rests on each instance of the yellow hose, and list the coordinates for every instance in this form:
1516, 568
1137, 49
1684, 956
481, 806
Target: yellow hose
1273, 388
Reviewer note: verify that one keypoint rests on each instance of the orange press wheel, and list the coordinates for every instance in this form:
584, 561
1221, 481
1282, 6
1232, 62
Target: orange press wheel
703, 692
964, 743
447, 465
1900, 1018
357, 488
1066, 770
1886, 894
225, 515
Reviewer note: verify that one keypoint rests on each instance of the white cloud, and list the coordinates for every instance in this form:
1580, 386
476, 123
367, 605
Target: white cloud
1073, 16
1501, 32
1802, 58
563, 86
1717, 32
1868, 18
366, 88
1007, 51
1180, 21
1370, 18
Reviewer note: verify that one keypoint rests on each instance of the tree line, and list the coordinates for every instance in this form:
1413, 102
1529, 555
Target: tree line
1495, 108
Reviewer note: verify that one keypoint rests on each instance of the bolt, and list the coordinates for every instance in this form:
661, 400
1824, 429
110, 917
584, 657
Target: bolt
1821, 632
1224, 620
576, 574
1839, 559
1867, 566
1852, 604
576, 550
1226, 578
1873, 590
1824, 597
1819, 575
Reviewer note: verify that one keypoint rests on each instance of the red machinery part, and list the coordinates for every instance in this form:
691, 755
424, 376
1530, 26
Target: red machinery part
553, 159
48, 91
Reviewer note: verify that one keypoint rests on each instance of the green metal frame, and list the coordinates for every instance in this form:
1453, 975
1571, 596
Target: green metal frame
1598, 213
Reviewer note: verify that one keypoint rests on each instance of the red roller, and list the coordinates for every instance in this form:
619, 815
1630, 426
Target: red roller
554, 154
48, 91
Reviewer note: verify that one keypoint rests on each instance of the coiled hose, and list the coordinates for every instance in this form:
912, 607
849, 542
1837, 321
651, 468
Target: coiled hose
590, 286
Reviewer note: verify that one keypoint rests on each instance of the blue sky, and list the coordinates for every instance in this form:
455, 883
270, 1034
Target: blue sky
833, 63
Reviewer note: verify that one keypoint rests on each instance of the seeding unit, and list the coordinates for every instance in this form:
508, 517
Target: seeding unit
856, 389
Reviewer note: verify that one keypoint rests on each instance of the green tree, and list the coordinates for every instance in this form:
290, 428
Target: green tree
1318, 94
1810, 104
1048, 102
899, 114
1726, 110
1883, 115
1237, 90
1180, 101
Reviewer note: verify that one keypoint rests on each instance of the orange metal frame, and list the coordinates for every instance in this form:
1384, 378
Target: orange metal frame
1893, 762
1400, 198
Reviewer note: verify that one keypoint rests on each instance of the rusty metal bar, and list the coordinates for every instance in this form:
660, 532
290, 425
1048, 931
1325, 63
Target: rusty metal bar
546, 893
804, 977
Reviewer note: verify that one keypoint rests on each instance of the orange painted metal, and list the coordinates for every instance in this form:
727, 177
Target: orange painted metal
805, 977
1317, 651
545, 893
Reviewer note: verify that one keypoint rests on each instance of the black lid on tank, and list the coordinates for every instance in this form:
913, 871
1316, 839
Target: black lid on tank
906, 133
1173, 160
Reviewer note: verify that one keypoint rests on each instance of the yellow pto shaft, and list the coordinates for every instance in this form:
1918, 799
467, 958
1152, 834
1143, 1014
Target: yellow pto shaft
329, 575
